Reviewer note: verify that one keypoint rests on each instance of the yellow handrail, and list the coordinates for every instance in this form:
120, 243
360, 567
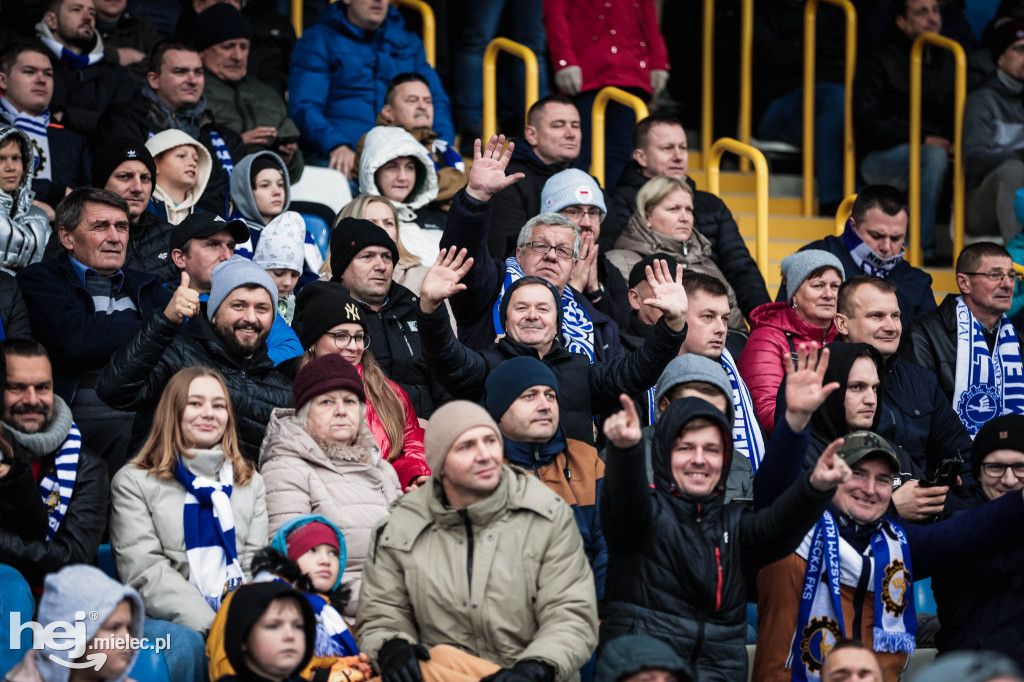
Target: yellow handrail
915, 256
597, 118
727, 144
707, 81
843, 213
426, 14
746, 75
810, 24
297, 17
490, 108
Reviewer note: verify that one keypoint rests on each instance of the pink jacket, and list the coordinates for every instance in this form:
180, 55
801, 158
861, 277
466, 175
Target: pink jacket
614, 42
412, 462
762, 363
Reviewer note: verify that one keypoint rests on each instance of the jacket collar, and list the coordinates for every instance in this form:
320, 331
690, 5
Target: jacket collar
532, 455
201, 329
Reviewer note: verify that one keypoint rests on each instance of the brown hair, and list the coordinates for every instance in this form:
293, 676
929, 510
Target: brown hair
848, 288
357, 209
165, 443
970, 258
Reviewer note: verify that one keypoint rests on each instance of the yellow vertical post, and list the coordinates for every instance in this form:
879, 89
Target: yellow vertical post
727, 144
746, 76
429, 26
297, 17
490, 103
915, 256
597, 120
707, 82
843, 212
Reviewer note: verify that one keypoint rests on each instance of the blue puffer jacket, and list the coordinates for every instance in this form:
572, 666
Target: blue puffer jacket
339, 74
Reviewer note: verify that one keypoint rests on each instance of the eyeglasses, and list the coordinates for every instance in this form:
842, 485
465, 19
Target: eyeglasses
998, 470
997, 277
575, 213
344, 339
561, 251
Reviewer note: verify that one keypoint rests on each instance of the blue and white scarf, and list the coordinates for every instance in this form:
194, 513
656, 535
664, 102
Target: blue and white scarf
746, 431
213, 565
577, 328
56, 490
333, 637
987, 384
224, 157
78, 61
865, 258
452, 159
36, 129
833, 562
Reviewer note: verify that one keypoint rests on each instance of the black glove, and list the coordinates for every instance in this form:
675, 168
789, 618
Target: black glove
524, 671
399, 661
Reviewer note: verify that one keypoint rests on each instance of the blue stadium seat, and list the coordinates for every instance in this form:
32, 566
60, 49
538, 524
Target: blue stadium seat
150, 666
924, 600
105, 559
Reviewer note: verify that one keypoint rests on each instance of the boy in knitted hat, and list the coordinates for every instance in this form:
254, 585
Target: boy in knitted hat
280, 252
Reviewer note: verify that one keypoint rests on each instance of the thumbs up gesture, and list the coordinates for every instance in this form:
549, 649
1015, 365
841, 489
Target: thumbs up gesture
185, 302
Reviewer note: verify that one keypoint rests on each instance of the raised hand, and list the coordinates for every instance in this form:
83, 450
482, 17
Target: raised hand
668, 294
804, 390
622, 429
487, 176
831, 469
185, 302
584, 273
443, 279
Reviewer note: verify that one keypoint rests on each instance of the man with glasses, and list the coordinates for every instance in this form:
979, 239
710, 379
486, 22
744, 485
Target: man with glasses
969, 342
548, 247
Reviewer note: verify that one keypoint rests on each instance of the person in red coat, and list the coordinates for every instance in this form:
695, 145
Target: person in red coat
595, 43
778, 328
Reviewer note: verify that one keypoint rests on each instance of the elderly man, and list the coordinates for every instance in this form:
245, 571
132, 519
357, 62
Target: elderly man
85, 305
463, 609
229, 334
548, 247
660, 148
873, 244
240, 102
969, 342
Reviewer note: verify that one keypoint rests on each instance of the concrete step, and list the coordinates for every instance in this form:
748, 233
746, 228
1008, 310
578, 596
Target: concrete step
787, 226
747, 203
779, 184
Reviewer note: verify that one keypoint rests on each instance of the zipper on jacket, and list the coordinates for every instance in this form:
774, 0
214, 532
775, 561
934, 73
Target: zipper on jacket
718, 567
469, 550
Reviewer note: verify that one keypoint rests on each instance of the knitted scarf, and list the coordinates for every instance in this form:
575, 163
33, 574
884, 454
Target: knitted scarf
746, 433
78, 61
865, 258
987, 384
35, 127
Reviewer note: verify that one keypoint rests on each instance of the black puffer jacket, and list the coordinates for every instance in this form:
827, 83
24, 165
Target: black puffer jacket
712, 219
84, 94
13, 313
931, 343
138, 372
677, 566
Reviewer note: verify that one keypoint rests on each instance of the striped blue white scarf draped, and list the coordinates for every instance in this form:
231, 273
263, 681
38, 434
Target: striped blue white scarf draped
209, 524
56, 490
36, 129
746, 432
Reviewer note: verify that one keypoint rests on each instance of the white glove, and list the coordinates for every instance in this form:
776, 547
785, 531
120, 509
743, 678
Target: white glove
569, 80
659, 79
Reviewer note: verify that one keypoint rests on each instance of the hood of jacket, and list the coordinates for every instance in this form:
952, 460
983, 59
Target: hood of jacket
241, 187
780, 315
245, 606
670, 424
285, 438
280, 539
384, 143
829, 420
165, 141
20, 202
81, 588
640, 238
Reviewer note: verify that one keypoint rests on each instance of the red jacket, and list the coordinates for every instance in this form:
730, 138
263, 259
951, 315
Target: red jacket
762, 363
412, 462
614, 42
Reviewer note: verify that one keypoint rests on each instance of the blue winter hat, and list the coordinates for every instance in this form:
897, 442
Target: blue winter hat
235, 272
509, 379
571, 187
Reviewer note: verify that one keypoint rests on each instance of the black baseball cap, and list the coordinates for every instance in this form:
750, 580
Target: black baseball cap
205, 224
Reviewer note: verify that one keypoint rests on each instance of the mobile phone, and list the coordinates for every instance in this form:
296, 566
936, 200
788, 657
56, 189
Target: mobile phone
946, 474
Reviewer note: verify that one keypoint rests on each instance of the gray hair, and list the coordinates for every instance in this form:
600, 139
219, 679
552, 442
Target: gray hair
301, 416
555, 220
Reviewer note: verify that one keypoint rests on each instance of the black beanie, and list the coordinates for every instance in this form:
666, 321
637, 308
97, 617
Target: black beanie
352, 235
112, 153
508, 380
523, 281
1005, 32
322, 305
1005, 432
639, 272
262, 163
220, 23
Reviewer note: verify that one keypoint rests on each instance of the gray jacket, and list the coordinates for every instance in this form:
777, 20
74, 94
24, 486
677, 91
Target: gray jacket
993, 127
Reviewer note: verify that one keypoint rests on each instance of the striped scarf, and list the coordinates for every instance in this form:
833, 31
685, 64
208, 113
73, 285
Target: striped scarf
209, 523
57, 489
36, 129
746, 432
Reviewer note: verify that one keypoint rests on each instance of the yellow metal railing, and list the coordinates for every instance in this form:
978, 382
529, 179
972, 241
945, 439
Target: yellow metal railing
426, 16
490, 108
707, 81
746, 75
597, 119
916, 258
810, 24
714, 160
843, 213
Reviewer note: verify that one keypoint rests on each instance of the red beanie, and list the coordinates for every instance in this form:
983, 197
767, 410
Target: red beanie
326, 373
313, 534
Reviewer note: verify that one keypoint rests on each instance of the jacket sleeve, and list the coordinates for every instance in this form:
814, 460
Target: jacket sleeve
615, 301
776, 531
141, 562
460, 370
919, 348
565, 607
309, 87
287, 493
734, 259
782, 464
654, 37
556, 25
509, 215
625, 500
86, 119
981, 152
621, 209
137, 374
22, 513
469, 222
636, 372
14, 316
762, 368
598, 545
869, 123
413, 460
385, 609
258, 527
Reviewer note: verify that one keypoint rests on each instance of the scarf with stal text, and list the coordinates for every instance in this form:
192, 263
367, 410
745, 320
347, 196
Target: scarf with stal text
213, 565
866, 259
35, 127
987, 384
577, 329
746, 432
57, 489
833, 562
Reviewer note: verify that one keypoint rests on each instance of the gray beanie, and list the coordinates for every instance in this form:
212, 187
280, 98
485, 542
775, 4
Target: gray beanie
690, 367
571, 187
797, 266
235, 272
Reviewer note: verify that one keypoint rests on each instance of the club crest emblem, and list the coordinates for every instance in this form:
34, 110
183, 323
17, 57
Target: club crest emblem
895, 588
978, 404
820, 635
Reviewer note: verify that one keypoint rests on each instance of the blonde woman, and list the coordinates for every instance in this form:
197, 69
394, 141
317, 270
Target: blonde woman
189, 512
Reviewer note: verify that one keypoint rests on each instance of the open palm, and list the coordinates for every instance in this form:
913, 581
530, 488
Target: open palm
487, 176
667, 292
805, 391
443, 279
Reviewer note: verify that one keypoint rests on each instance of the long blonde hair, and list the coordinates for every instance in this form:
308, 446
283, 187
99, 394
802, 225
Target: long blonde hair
165, 443
357, 209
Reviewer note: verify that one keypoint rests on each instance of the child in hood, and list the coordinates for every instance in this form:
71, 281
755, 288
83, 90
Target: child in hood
280, 252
